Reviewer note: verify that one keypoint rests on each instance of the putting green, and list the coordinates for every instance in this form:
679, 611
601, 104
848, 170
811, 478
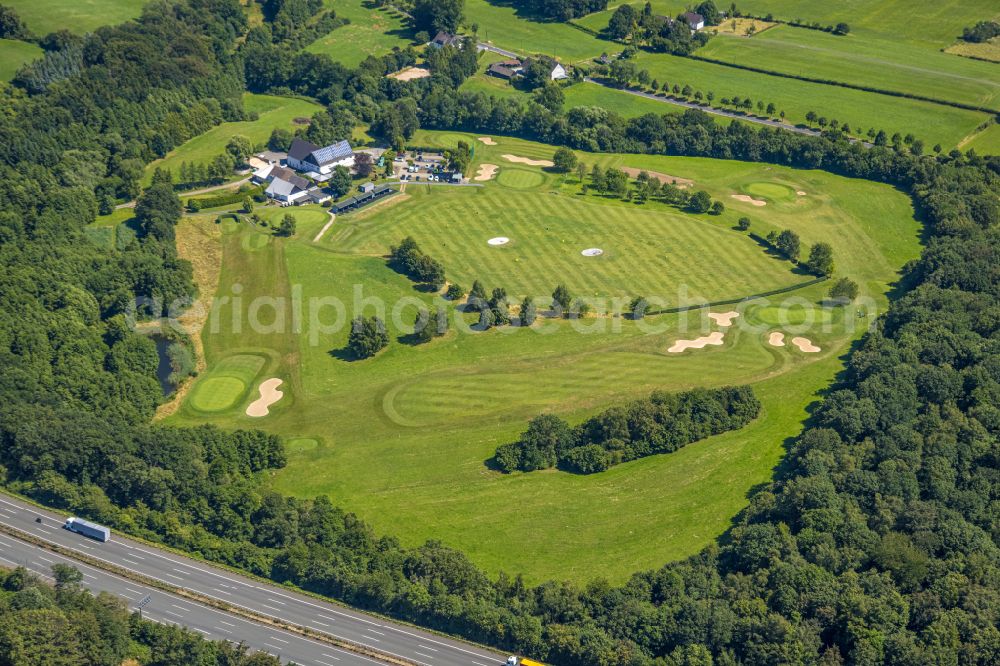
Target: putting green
226, 384
520, 179
301, 444
255, 241
770, 191
791, 315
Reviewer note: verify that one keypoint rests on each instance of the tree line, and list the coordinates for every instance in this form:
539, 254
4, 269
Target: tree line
62, 624
661, 423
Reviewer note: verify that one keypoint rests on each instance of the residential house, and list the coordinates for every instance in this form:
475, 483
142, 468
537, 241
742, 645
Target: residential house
695, 21
286, 186
506, 69
443, 39
319, 162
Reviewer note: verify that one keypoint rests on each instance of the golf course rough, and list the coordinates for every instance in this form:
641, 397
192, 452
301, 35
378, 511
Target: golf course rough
411, 428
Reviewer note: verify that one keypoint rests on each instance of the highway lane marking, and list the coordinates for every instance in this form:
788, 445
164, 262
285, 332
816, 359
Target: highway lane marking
280, 640
201, 630
275, 601
426, 647
274, 647
479, 663
301, 601
423, 655
225, 631
228, 624
173, 613
87, 575
223, 592
322, 624
271, 607
6, 545
187, 610
45, 559
131, 591
327, 617
323, 663
131, 561
331, 656
380, 633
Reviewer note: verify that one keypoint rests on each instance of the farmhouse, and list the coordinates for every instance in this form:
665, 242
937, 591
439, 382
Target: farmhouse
286, 186
506, 69
319, 162
694, 21
556, 71
443, 39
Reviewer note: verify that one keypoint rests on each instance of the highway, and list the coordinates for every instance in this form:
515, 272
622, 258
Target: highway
396, 640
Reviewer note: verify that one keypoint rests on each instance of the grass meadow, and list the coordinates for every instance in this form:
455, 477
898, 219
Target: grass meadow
933, 23
402, 438
273, 112
76, 15
986, 142
503, 27
372, 31
867, 60
15, 53
931, 122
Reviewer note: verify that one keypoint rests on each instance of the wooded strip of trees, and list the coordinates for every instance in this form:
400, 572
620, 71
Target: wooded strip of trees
662, 423
65, 625
876, 542
409, 259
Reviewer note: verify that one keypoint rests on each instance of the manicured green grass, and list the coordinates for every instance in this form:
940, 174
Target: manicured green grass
14, 54
863, 60
227, 383
501, 26
371, 31
401, 439
273, 112
933, 23
76, 15
931, 122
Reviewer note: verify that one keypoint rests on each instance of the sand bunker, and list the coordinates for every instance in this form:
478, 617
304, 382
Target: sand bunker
805, 345
592, 252
724, 318
529, 162
681, 183
698, 343
486, 172
410, 73
749, 199
800, 193
269, 394
776, 339
488, 140
499, 240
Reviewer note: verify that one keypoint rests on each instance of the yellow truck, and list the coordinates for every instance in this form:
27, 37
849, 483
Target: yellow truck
522, 661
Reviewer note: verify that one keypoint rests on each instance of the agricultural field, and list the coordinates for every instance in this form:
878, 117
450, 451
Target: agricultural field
989, 50
986, 142
930, 24
372, 31
15, 53
403, 438
622, 103
869, 60
76, 15
273, 112
933, 123
502, 26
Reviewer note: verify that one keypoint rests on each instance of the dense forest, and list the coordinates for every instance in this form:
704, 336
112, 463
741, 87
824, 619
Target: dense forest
64, 625
661, 423
877, 542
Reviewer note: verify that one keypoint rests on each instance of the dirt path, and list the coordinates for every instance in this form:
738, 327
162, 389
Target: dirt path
325, 227
204, 190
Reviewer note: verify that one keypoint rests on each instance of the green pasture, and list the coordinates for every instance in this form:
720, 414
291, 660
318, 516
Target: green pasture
76, 15
273, 112
622, 103
931, 122
402, 438
932, 23
986, 142
501, 25
863, 60
372, 31
15, 53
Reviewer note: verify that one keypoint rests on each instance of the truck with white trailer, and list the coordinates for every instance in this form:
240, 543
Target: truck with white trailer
88, 529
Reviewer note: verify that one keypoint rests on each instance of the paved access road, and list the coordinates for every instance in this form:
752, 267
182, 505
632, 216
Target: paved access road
293, 608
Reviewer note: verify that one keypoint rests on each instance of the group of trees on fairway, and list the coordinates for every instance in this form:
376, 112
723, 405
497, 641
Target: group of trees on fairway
788, 244
62, 624
875, 543
368, 336
662, 423
408, 259
615, 182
